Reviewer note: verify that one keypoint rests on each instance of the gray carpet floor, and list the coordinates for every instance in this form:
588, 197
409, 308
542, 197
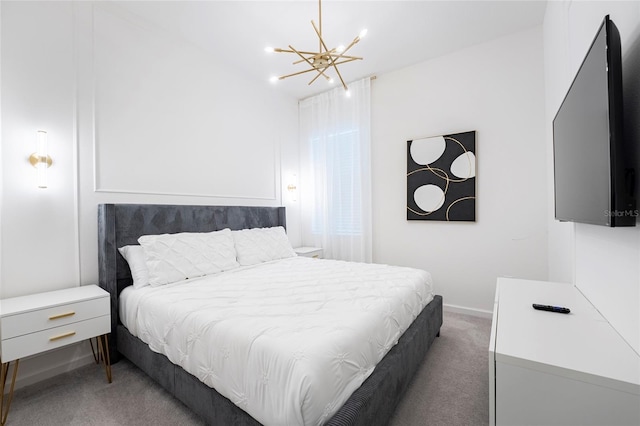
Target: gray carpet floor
450, 388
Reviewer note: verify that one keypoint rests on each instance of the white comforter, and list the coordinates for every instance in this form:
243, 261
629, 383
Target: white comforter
287, 341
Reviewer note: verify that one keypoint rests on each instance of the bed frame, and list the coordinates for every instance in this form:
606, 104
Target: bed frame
122, 224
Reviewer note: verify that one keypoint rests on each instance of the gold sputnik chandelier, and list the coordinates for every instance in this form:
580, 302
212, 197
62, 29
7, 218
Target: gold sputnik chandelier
324, 59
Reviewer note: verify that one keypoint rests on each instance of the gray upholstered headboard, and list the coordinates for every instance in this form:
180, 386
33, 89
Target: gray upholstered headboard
123, 224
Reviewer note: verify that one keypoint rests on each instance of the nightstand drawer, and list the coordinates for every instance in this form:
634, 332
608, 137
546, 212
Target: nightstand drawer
43, 319
40, 322
29, 344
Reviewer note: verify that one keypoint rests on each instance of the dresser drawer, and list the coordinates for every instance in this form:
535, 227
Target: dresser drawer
30, 344
43, 319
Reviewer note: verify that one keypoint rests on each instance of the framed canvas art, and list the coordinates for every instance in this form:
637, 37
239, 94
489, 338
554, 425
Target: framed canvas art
441, 178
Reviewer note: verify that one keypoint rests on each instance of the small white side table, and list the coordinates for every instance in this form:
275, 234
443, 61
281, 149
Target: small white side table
40, 322
315, 252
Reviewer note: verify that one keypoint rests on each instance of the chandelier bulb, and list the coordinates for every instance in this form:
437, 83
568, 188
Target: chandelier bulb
269, 49
363, 33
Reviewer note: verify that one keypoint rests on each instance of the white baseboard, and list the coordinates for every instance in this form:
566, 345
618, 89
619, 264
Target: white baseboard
43, 366
468, 311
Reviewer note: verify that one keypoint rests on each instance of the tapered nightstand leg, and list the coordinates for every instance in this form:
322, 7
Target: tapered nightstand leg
4, 409
102, 345
103, 348
96, 356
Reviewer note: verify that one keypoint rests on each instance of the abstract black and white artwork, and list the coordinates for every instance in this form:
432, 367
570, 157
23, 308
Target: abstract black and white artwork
441, 178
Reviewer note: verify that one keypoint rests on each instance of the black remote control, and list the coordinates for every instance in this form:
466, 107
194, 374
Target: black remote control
559, 309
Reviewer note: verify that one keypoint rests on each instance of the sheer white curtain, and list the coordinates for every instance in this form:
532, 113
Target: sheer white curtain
335, 172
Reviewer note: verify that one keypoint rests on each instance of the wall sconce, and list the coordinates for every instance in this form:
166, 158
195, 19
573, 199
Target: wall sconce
292, 187
40, 160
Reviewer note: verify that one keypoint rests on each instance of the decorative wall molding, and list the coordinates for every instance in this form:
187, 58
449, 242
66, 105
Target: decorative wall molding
195, 153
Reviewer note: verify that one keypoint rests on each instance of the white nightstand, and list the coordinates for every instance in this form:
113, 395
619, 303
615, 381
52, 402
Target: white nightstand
315, 252
37, 323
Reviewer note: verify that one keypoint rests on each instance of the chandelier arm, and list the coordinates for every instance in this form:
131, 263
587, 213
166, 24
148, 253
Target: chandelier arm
345, 57
320, 37
342, 54
353, 43
297, 73
333, 63
299, 61
279, 50
345, 61
316, 55
316, 77
340, 76
325, 68
306, 60
320, 72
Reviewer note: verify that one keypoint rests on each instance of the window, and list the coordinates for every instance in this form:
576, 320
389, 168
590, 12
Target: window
335, 163
335, 171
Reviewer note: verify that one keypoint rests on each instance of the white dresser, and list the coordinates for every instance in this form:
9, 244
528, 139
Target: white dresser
40, 322
549, 368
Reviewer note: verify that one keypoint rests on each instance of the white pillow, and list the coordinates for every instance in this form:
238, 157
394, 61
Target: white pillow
259, 245
175, 257
134, 255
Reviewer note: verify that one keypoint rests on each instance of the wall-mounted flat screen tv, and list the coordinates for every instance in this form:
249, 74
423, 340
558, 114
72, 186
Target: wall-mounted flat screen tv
593, 169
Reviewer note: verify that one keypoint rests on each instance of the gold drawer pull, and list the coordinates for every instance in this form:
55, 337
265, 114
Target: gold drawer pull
62, 336
67, 314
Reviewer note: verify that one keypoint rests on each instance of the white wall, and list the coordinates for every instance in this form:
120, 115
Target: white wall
64, 68
494, 88
603, 262
37, 93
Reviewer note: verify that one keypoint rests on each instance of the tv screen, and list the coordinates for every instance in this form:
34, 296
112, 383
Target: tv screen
592, 182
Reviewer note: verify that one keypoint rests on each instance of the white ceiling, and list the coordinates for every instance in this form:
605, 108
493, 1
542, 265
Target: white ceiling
400, 33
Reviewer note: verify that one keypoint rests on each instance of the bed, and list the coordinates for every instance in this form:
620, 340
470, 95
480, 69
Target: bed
371, 403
